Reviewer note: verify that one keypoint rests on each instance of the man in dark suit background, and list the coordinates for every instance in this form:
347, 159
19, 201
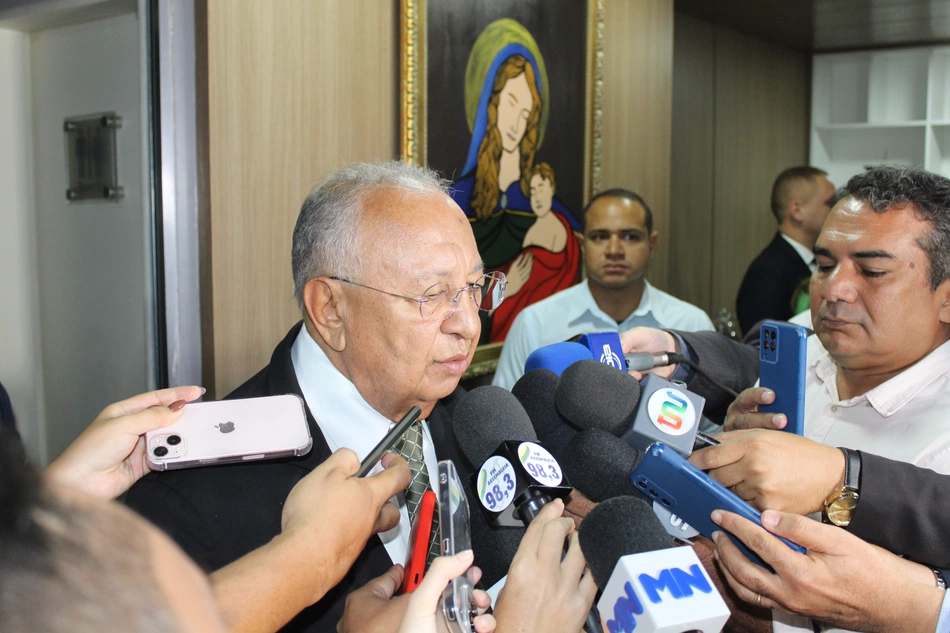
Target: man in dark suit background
801, 200
390, 282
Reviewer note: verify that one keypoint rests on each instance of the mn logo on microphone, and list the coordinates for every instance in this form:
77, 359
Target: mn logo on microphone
676, 583
671, 412
609, 358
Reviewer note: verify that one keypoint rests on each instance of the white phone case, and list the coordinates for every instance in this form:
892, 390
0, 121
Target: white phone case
227, 431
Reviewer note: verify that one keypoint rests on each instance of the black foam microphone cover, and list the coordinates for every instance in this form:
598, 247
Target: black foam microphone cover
535, 392
598, 464
592, 395
487, 416
619, 527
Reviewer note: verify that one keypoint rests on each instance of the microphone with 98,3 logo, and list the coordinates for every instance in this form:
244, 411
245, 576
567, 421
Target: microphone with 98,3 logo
517, 477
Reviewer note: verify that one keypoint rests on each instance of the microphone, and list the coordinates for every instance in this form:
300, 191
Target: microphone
605, 348
647, 585
556, 357
516, 478
535, 392
592, 395
599, 464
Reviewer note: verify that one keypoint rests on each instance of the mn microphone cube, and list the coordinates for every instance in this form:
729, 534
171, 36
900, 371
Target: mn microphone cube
667, 413
666, 591
516, 477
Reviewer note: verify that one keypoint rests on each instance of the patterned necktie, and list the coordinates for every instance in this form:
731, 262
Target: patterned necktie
410, 447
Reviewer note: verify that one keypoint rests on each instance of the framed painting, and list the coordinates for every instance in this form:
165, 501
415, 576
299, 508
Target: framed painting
504, 99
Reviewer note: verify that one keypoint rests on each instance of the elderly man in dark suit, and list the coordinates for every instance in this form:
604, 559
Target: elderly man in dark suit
390, 283
801, 200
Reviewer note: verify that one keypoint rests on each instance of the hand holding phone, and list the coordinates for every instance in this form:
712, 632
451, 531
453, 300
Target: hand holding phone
689, 493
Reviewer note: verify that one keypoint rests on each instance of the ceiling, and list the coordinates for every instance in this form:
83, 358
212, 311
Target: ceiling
830, 25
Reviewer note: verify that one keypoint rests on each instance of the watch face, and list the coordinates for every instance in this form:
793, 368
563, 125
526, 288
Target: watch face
840, 510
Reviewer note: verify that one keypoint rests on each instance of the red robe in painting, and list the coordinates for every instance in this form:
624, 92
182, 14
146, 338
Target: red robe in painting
550, 273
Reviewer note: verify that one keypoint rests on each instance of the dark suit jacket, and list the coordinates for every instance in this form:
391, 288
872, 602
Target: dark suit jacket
7, 420
902, 507
769, 283
219, 513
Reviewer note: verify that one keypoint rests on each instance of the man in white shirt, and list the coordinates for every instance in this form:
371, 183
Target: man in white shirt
878, 378
619, 244
801, 200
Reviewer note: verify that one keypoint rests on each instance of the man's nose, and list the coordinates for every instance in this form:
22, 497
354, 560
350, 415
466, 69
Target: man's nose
615, 246
839, 285
464, 321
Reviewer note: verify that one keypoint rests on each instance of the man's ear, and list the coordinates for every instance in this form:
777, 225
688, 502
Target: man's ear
943, 294
795, 211
654, 240
325, 308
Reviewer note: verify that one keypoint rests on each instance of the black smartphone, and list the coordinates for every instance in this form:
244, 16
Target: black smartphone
387, 442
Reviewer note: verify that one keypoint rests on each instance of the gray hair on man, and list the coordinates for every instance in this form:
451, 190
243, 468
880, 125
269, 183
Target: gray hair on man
326, 237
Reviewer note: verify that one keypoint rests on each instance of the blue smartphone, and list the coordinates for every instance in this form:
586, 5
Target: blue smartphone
782, 348
689, 493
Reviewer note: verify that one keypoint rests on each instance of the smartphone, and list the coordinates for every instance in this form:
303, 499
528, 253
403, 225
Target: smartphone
782, 348
389, 441
419, 543
689, 493
227, 431
458, 599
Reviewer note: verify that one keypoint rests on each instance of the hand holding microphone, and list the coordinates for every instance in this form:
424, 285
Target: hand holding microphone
545, 592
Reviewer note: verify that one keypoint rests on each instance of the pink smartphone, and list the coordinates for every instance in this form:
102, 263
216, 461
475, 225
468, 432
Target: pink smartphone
227, 431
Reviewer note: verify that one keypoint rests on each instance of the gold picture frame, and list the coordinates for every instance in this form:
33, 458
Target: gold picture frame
579, 125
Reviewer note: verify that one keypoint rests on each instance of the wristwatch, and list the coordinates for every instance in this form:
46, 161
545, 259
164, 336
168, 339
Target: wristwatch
840, 505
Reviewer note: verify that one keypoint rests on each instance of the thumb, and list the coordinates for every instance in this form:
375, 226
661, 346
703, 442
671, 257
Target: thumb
147, 420
162, 397
394, 479
808, 533
425, 598
385, 586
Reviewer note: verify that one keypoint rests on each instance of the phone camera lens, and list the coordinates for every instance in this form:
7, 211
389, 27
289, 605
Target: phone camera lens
772, 346
173, 440
160, 451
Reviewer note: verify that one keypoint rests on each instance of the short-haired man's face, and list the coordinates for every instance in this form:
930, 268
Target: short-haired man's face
396, 358
617, 246
871, 302
542, 195
816, 206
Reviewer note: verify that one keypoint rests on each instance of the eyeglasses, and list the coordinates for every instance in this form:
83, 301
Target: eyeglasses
440, 301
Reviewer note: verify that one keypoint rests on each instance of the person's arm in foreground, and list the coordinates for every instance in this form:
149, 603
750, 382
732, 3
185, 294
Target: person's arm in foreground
109, 456
841, 580
327, 519
543, 592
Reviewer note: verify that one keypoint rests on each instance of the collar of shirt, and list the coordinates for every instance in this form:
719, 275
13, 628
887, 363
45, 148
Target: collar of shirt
347, 420
587, 308
803, 251
890, 396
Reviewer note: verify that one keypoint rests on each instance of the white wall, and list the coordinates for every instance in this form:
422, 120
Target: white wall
20, 356
91, 261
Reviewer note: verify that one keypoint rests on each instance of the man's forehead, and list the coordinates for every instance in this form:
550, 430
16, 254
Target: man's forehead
853, 222
614, 213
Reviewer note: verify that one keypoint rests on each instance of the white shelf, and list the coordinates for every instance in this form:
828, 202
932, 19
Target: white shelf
910, 125
877, 107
